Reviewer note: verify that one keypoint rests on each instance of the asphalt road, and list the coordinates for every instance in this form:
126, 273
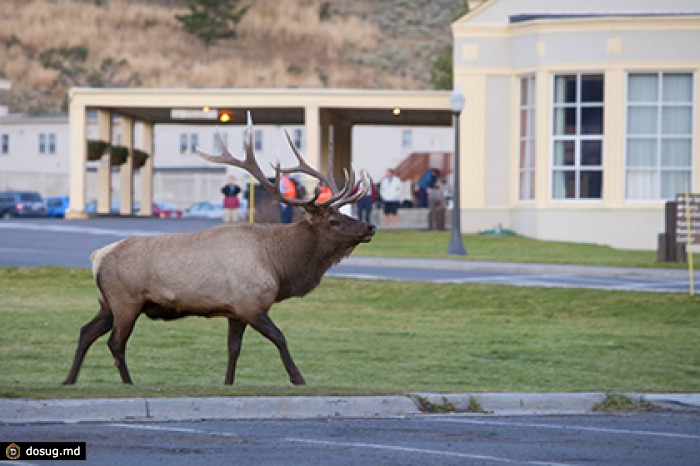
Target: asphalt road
635, 439
665, 438
38, 242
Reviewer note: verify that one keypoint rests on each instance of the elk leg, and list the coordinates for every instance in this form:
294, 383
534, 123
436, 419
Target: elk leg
235, 339
98, 326
269, 330
121, 331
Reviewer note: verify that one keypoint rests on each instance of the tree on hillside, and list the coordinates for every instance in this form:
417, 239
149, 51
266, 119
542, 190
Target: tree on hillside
441, 72
211, 20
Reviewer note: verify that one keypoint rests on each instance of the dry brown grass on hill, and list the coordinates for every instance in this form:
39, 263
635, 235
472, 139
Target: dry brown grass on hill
46, 47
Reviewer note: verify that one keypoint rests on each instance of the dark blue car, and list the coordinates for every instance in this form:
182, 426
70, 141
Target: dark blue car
21, 204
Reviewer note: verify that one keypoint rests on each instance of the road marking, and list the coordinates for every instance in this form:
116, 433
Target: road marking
426, 451
173, 429
358, 276
565, 427
77, 229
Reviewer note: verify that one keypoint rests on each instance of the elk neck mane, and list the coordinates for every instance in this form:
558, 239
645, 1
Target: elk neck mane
304, 257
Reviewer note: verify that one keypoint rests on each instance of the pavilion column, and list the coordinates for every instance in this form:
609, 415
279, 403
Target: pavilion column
326, 141
312, 154
146, 172
78, 160
343, 148
126, 174
104, 171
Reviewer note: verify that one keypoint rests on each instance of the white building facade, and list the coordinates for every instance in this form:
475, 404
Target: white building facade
34, 154
581, 119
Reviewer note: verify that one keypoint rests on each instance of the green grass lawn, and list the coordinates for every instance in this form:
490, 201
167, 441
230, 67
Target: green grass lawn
433, 244
362, 337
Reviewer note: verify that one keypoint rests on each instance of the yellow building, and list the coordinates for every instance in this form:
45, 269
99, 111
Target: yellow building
327, 116
581, 118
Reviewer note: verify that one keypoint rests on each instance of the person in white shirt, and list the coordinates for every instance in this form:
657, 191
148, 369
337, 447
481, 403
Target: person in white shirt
390, 191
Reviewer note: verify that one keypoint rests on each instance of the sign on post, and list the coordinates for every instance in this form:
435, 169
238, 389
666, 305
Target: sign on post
687, 223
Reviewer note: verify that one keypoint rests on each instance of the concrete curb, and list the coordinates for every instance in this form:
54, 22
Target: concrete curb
25, 411
20, 411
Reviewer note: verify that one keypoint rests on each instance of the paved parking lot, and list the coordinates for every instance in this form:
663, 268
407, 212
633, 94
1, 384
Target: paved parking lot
633, 439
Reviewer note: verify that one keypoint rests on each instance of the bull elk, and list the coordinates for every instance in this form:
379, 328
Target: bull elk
232, 271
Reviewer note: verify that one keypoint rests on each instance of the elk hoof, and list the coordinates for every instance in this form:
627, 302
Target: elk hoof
298, 380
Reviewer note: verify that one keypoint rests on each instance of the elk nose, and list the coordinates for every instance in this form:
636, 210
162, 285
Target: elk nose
371, 228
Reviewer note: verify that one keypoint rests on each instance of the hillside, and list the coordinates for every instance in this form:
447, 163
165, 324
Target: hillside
49, 46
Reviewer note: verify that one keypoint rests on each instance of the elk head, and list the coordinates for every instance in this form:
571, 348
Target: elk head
344, 229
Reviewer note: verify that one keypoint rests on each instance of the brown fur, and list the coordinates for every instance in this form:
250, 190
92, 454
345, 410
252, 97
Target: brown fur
237, 272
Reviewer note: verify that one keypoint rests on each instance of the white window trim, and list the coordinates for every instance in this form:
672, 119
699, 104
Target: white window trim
530, 108
659, 134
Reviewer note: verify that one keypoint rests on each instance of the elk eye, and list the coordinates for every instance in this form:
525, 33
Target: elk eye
334, 223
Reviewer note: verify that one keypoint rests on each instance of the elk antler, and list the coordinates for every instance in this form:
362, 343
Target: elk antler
250, 164
339, 197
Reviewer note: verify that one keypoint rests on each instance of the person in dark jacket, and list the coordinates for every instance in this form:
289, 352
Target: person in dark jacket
427, 180
364, 204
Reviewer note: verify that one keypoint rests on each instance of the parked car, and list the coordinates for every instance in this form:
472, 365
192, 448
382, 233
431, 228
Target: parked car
166, 210
114, 208
205, 209
22, 204
91, 207
57, 206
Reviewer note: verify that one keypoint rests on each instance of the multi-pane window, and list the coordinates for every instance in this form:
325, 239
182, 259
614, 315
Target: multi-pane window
527, 138
297, 138
659, 135
577, 166
188, 143
5, 144
220, 137
406, 140
183, 143
47, 143
257, 139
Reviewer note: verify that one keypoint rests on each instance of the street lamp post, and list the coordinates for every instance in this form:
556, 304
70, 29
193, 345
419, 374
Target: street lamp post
456, 245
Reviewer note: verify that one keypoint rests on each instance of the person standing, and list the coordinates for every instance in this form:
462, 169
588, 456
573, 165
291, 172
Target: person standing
323, 193
390, 191
364, 204
231, 202
289, 191
427, 180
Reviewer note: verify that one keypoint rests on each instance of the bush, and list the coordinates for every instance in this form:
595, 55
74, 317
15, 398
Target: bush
119, 154
96, 148
140, 157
